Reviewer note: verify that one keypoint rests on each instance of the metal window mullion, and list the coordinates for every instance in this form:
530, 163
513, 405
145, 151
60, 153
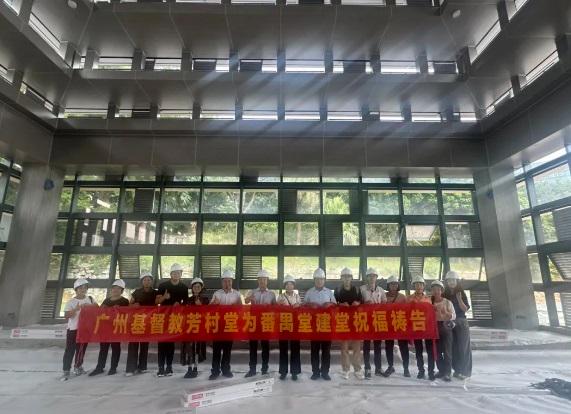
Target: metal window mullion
362, 229
535, 216
444, 261
281, 236
322, 263
543, 260
116, 240
159, 230
240, 235
199, 226
403, 243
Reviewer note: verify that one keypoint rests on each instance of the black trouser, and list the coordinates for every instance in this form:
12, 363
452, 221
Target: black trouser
137, 353
166, 354
461, 348
429, 353
376, 354
444, 346
254, 355
192, 353
389, 350
294, 357
221, 354
104, 350
72, 348
325, 348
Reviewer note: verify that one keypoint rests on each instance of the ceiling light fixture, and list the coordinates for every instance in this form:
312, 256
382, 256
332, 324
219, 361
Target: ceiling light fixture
72, 4
456, 13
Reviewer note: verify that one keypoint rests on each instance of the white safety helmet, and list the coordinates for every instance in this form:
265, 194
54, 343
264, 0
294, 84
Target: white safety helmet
176, 268
346, 272
146, 274
263, 273
437, 283
120, 283
372, 272
80, 282
452, 275
392, 279
228, 274
289, 278
196, 280
418, 279
319, 273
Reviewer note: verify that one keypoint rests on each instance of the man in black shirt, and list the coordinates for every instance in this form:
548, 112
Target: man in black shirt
115, 299
170, 293
349, 295
138, 351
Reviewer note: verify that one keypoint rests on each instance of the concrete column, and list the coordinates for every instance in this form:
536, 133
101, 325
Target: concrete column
507, 267
25, 271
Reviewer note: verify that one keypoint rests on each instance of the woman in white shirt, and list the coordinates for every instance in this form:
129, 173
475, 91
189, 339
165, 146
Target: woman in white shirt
445, 316
289, 298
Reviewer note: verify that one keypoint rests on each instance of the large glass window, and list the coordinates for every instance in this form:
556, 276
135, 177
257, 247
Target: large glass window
179, 200
422, 235
138, 232
131, 266
308, 202
54, 266
219, 232
351, 234
419, 202
457, 202
5, 225
382, 234
260, 233
553, 185
469, 268
334, 265
459, 235
534, 268
187, 263
528, 232
93, 232
179, 232
301, 233
386, 266
61, 228
522, 195
141, 200
97, 200
65, 199
91, 266
12, 191
383, 202
300, 267
260, 202
335, 202
221, 201
97, 294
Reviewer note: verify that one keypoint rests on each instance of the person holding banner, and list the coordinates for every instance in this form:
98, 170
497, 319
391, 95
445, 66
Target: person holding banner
320, 296
371, 293
289, 298
418, 296
170, 293
461, 348
72, 310
137, 352
260, 296
191, 351
394, 296
445, 316
349, 295
222, 350
115, 299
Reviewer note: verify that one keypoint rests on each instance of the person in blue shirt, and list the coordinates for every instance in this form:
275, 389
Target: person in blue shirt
461, 347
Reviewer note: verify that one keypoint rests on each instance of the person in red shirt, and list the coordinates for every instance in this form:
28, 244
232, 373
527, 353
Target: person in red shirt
418, 296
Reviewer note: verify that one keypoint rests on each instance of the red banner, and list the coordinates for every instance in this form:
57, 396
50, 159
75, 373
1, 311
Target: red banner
207, 323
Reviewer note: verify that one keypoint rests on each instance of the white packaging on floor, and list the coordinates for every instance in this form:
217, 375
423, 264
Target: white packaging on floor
217, 390
222, 398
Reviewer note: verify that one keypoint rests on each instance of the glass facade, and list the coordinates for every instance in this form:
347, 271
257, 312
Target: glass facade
116, 227
10, 175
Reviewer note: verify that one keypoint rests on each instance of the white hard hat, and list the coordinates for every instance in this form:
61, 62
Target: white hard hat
196, 280
120, 283
392, 279
346, 272
371, 271
228, 274
80, 282
146, 274
437, 283
418, 279
263, 273
176, 268
289, 278
452, 275
319, 273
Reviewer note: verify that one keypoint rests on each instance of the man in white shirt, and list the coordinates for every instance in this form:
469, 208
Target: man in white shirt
320, 296
222, 350
372, 293
260, 296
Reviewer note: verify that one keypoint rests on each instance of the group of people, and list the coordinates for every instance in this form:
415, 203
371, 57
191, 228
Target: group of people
452, 351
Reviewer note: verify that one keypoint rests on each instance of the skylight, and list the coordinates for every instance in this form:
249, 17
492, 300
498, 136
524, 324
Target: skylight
302, 116
398, 67
217, 114
305, 66
344, 116
391, 117
253, 115
426, 117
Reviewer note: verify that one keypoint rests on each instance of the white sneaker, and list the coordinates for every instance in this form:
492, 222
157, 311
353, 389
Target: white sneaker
359, 374
65, 376
345, 375
79, 371
128, 374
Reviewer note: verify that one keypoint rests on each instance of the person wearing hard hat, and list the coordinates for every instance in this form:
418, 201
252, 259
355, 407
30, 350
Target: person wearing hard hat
461, 347
418, 296
445, 316
260, 296
114, 299
194, 352
320, 296
72, 310
348, 295
137, 352
394, 296
289, 298
222, 350
170, 293
372, 294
